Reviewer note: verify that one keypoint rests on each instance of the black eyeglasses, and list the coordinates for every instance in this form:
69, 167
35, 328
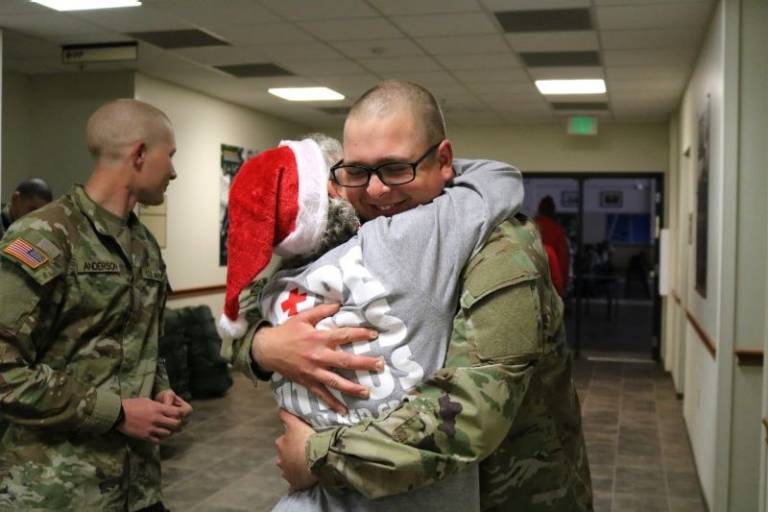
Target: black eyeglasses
390, 173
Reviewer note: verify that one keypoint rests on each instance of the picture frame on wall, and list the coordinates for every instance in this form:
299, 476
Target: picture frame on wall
569, 199
611, 198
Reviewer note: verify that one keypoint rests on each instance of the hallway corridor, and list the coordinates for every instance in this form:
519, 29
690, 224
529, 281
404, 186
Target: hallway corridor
636, 441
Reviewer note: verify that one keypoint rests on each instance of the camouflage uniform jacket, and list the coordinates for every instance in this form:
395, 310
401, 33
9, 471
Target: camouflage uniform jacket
81, 299
505, 397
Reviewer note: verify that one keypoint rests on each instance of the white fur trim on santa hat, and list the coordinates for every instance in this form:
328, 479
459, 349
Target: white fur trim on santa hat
232, 328
312, 215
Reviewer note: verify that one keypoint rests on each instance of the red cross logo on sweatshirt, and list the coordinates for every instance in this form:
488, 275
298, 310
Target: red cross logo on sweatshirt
290, 304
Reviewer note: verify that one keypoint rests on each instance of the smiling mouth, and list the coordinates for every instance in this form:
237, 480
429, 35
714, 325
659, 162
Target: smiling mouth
388, 208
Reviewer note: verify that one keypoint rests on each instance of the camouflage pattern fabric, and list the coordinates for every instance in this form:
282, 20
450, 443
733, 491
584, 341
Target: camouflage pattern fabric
80, 317
505, 397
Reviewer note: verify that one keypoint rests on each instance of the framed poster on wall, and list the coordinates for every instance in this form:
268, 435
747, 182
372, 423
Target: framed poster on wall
232, 157
702, 200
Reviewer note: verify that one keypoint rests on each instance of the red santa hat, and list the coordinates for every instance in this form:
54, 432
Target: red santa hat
278, 200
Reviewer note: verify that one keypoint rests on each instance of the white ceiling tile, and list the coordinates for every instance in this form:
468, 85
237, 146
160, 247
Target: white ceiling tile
48, 24
216, 14
352, 30
313, 50
654, 16
449, 88
643, 72
405, 7
446, 24
527, 5
476, 62
316, 67
432, 80
302, 10
650, 39
647, 97
648, 83
134, 19
578, 40
491, 75
389, 66
500, 88
566, 73
464, 45
351, 86
382, 48
642, 2
265, 33
9, 7
616, 58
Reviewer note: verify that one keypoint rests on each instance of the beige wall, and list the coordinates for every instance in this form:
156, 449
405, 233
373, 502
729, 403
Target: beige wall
44, 124
618, 147
202, 124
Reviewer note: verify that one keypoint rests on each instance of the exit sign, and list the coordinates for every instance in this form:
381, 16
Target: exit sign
582, 125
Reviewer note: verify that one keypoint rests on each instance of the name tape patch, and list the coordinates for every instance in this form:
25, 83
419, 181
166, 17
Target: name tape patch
100, 266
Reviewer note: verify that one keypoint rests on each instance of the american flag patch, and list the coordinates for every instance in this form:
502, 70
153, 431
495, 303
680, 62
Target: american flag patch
26, 253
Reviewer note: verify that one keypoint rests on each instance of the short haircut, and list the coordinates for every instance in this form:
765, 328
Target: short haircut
35, 187
397, 95
120, 123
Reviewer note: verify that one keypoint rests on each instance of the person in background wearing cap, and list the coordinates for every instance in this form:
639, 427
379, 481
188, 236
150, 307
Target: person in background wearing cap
30, 195
506, 396
395, 275
82, 295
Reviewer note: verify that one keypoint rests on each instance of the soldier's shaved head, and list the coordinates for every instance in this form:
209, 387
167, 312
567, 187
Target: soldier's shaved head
394, 96
114, 127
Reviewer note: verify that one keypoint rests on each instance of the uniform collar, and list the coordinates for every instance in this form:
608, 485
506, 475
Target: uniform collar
104, 221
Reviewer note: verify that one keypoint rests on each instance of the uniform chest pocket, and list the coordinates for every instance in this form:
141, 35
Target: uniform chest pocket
152, 284
98, 284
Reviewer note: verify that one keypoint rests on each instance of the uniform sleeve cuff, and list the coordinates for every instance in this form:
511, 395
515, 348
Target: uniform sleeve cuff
243, 361
104, 414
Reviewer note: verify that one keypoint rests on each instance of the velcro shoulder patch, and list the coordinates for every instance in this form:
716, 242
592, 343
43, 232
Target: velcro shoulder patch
27, 253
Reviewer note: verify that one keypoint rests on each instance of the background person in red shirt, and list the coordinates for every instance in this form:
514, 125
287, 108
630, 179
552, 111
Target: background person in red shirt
554, 236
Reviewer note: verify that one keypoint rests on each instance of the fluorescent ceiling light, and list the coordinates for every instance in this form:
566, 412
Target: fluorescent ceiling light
306, 93
571, 86
85, 5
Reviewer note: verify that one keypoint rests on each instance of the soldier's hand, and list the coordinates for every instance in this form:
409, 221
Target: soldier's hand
169, 397
290, 452
305, 355
149, 420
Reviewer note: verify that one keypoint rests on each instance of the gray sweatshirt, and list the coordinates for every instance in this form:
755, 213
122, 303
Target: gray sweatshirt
399, 275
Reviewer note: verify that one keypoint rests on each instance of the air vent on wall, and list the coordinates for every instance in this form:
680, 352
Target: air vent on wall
547, 20
558, 59
260, 69
171, 39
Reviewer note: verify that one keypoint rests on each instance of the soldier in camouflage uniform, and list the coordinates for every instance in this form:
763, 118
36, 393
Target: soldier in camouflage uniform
30, 195
82, 291
506, 396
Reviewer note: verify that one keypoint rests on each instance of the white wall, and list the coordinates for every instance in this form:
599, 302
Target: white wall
641, 147
202, 124
44, 125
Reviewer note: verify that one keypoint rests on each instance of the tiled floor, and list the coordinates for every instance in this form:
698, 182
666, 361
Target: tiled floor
636, 442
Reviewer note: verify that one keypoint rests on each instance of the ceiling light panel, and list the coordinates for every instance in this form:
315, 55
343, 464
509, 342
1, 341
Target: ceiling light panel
544, 20
571, 86
86, 5
306, 93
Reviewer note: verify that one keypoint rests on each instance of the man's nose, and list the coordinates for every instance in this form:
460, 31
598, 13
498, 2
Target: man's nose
376, 187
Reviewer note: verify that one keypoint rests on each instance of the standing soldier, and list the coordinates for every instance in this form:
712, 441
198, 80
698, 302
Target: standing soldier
82, 292
30, 195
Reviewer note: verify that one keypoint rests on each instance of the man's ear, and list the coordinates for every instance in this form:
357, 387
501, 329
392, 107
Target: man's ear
138, 154
445, 160
333, 191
